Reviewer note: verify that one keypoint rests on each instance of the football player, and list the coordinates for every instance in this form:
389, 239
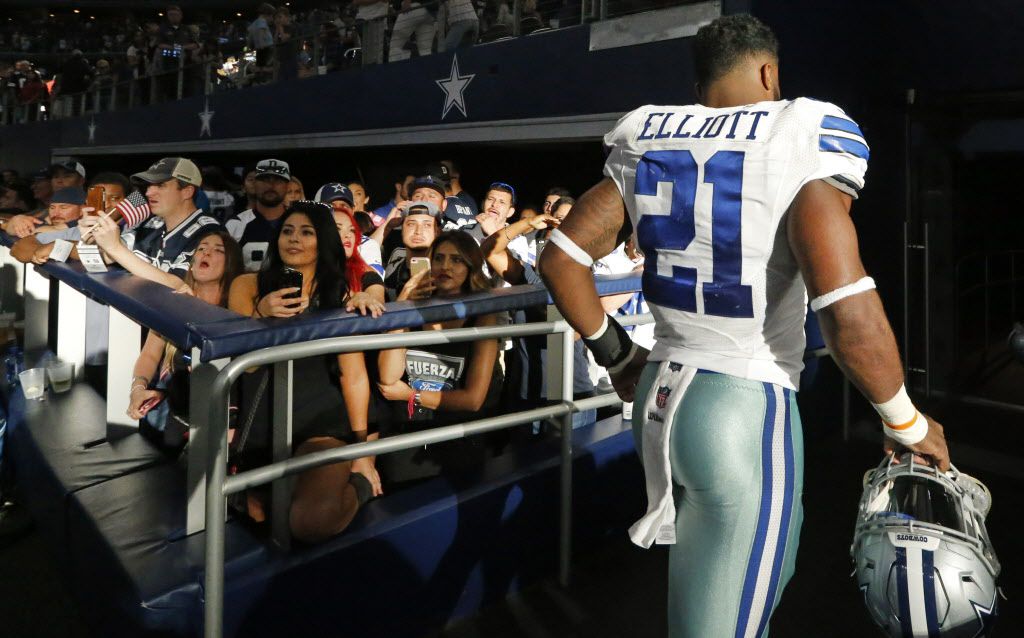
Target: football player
741, 206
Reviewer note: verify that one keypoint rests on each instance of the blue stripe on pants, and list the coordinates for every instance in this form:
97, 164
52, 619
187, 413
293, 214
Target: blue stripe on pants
735, 452
764, 514
787, 510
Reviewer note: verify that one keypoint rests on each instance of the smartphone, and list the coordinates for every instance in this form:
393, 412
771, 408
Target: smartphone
97, 199
291, 278
418, 265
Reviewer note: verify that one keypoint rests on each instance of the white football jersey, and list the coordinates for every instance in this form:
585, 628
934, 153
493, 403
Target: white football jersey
707, 190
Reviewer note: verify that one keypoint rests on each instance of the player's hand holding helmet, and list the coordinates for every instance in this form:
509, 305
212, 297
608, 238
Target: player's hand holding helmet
922, 553
931, 449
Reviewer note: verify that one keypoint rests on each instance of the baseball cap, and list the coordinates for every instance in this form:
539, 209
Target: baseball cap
427, 181
69, 195
171, 168
334, 191
423, 208
274, 167
41, 175
70, 165
439, 171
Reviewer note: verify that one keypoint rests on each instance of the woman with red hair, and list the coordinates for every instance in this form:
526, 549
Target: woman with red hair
364, 283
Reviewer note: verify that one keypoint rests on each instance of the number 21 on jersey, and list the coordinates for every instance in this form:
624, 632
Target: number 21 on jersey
723, 295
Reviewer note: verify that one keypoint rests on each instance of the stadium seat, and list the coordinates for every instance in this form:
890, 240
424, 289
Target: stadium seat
529, 24
496, 32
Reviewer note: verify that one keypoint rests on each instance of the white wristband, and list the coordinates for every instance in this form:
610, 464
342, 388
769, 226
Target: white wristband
903, 423
908, 433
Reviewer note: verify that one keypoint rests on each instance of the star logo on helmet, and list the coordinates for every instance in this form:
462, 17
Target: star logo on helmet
986, 615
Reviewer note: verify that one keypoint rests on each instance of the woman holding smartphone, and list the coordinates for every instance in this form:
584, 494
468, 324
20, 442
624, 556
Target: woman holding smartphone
447, 383
330, 394
159, 392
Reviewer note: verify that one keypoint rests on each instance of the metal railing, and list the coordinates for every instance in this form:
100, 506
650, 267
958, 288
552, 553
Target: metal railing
208, 485
218, 487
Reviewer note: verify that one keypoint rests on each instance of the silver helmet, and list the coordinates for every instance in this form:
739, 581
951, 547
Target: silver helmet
922, 554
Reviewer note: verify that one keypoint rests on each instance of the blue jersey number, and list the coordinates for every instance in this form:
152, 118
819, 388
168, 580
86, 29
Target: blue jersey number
724, 295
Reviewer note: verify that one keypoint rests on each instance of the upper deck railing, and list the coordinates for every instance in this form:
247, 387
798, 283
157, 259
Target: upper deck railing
313, 50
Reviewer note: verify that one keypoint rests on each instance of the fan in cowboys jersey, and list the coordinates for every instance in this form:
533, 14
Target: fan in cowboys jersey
255, 227
161, 247
741, 205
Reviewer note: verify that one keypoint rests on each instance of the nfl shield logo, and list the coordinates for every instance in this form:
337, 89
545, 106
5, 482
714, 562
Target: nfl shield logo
662, 397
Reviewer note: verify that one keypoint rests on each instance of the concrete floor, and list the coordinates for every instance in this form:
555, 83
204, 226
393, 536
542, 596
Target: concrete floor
619, 589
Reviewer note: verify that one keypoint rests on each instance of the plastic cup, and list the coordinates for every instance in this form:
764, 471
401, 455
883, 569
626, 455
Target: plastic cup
61, 373
33, 383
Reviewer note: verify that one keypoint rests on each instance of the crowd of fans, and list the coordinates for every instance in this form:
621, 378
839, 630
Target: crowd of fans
272, 247
90, 55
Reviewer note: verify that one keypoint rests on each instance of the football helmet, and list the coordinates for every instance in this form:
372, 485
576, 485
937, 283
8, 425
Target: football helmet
922, 554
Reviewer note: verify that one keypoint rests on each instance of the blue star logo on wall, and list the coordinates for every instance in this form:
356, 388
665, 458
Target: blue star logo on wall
205, 116
454, 86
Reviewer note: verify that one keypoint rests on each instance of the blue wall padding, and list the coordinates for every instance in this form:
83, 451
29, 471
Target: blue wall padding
63, 445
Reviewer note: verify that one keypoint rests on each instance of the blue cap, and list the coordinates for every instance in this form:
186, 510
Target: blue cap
334, 191
69, 195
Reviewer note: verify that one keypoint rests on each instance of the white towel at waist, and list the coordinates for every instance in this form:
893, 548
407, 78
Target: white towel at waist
659, 523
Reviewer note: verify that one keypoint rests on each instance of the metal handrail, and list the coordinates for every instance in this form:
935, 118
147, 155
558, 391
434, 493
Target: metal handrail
218, 486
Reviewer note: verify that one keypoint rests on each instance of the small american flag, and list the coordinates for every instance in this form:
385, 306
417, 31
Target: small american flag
134, 209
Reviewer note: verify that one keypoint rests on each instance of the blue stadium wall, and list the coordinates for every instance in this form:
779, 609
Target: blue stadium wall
862, 55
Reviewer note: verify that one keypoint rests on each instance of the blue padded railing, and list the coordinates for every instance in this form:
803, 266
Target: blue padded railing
219, 333
145, 302
218, 340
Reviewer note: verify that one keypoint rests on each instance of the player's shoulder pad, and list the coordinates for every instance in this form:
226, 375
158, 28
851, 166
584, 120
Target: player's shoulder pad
836, 131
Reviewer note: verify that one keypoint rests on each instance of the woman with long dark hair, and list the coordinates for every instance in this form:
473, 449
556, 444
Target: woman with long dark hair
159, 391
330, 394
446, 383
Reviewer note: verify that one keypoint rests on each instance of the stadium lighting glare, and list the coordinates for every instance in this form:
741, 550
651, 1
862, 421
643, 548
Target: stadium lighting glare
239, 15
161, 14
76, 11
